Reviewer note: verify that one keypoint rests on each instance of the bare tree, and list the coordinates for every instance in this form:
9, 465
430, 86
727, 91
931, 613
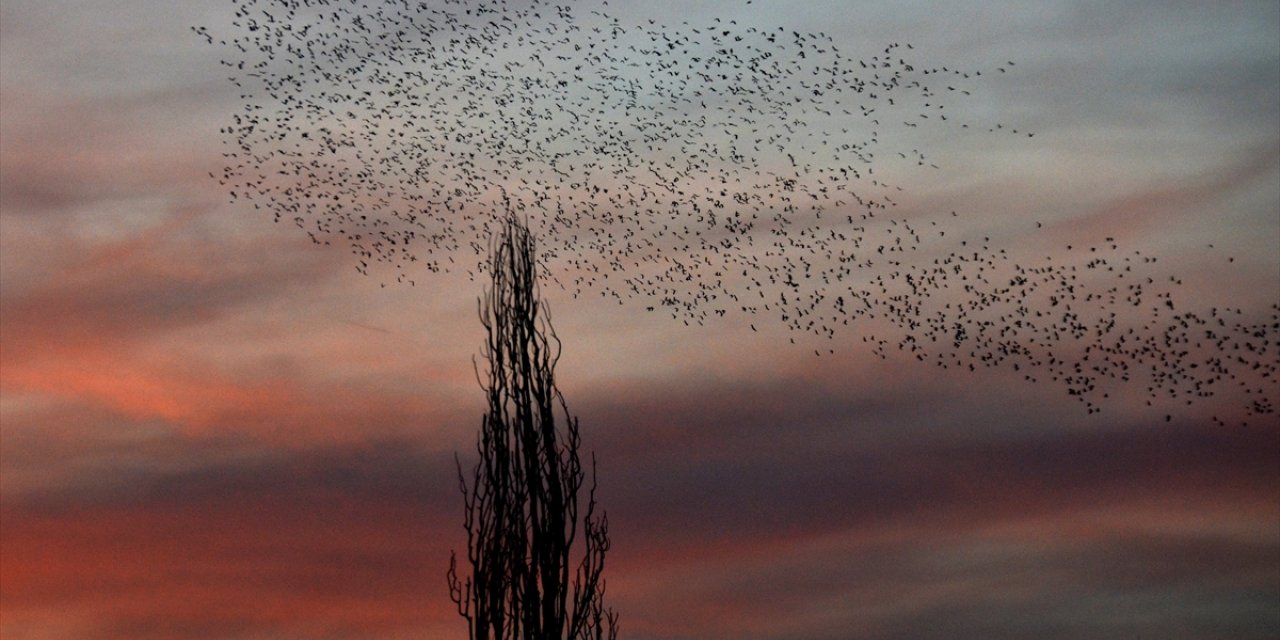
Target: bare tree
523, 503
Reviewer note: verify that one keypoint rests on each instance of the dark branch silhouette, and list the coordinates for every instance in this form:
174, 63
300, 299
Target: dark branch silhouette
524, 502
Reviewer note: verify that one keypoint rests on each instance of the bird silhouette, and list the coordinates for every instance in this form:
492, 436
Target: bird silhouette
699, 170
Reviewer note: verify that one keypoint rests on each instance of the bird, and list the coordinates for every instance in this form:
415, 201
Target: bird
700, 170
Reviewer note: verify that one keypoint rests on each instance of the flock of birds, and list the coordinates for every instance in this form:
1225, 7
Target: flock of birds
697, 169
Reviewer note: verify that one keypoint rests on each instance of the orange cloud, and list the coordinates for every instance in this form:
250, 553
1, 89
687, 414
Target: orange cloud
253, 567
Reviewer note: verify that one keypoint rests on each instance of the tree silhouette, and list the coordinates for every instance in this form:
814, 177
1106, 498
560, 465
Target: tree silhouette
523, 504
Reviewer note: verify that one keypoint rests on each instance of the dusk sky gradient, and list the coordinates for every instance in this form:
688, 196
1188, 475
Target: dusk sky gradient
212, 429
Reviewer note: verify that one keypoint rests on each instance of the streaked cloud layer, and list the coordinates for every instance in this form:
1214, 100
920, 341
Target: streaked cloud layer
213, 429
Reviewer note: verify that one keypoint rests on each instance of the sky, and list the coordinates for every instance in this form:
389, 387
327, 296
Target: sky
211, 428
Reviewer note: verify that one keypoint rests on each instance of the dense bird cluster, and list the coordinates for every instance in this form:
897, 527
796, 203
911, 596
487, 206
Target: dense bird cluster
697, 169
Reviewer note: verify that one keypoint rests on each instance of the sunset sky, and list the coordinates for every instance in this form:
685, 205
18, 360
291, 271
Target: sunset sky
211, 428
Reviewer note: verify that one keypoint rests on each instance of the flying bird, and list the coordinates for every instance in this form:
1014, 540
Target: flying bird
699, 170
